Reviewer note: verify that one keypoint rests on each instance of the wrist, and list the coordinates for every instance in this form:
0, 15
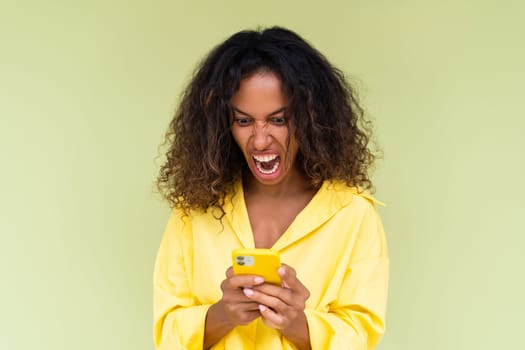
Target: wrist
298, 332
219, 316
216, 325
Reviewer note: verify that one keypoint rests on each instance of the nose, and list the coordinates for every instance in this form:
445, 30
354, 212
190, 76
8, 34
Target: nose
261, 136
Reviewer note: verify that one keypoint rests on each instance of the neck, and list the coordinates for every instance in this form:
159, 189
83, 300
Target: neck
295, 183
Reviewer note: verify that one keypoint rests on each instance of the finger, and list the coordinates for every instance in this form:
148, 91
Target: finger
244, 307
241, 281
252, 306
244, 316
270, 317
236, 297
232, 293
289, 279
256, 279
274, 302
283, 294
229, 272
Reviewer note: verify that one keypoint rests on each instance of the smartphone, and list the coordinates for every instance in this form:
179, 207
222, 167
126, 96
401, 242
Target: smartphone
257, 261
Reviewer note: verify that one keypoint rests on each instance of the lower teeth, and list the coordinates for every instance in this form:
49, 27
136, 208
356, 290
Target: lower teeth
267, 171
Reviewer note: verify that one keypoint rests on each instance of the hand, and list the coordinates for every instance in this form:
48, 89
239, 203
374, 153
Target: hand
280, 306
237, 307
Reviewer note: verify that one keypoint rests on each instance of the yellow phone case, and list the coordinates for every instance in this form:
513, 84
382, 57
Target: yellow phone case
257, 261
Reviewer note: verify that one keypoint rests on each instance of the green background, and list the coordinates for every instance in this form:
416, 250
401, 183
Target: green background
87, 90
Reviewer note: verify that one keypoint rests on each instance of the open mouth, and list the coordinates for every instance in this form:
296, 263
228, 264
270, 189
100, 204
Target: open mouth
267, 164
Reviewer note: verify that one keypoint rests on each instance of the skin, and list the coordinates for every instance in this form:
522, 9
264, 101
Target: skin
260, 128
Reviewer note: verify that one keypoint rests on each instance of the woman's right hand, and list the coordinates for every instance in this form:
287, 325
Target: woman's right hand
233, 309
238, 308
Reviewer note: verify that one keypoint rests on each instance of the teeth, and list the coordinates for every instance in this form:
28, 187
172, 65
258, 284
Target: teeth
265, 157
269, 171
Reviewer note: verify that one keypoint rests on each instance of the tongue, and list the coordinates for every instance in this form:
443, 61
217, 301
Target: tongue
268, 165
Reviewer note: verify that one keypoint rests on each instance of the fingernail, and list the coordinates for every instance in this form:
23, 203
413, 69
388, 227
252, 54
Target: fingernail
248, 292
262, 308
281, 271
258, 280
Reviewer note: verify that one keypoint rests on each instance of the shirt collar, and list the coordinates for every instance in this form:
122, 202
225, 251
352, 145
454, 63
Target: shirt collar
328, 200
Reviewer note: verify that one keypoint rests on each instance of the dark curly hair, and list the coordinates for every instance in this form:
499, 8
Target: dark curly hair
203, 160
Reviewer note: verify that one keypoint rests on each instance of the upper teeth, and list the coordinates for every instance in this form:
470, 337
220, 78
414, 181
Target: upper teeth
265, 157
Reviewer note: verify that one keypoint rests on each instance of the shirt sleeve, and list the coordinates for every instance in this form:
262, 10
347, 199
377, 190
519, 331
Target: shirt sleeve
356, 319
178, 318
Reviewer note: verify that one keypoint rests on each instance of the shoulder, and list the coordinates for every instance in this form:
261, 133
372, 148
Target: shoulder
350, 195
359, 207
177, 225
193, 223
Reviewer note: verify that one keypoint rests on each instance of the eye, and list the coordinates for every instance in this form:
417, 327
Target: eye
243, 121
279, 120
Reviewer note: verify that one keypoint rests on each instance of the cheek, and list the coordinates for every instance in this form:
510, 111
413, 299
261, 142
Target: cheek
281, 135
240, 136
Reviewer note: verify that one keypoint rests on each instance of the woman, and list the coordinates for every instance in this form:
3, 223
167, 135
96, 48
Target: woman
268, 150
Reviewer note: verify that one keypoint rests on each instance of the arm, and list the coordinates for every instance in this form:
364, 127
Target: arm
180, 322
216, 326
355, 318
178, 319
233, 309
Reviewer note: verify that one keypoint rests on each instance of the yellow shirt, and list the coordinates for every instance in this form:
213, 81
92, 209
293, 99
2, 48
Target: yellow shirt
336, 244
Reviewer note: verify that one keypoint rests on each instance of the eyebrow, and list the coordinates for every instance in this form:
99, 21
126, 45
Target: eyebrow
282, 109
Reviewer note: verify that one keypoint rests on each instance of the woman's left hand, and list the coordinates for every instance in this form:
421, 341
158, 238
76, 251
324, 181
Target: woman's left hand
280, 306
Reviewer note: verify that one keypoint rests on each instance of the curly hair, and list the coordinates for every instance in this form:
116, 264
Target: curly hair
203, 160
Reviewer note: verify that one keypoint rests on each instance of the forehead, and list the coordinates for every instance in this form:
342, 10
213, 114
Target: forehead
260, 93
